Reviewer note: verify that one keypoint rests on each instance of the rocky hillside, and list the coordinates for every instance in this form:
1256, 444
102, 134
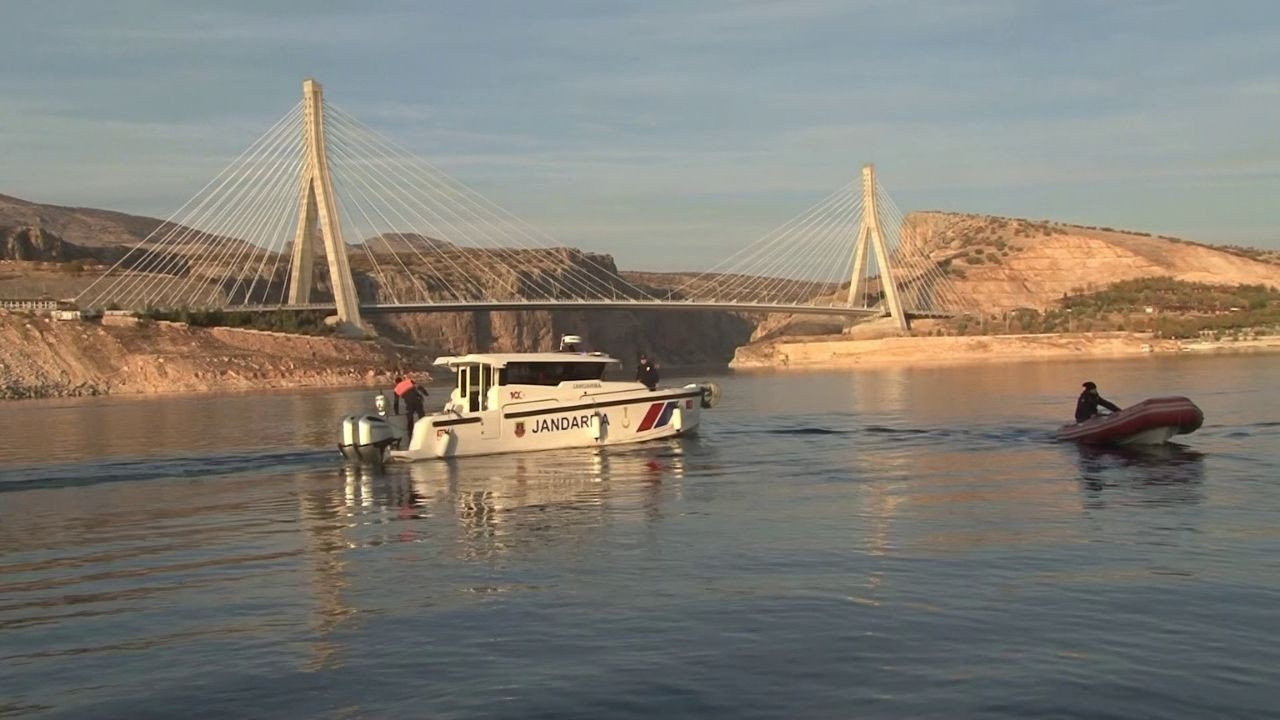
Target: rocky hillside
37, 244
44, 358
997, 264
86, 227
684, 338
46, 249
1000, 264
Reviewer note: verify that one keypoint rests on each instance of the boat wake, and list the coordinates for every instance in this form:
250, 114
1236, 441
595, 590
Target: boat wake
93, 473
1000, 434
809, 431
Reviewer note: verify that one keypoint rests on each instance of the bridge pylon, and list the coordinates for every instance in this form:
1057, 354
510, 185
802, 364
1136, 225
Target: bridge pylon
870, 238
318, 209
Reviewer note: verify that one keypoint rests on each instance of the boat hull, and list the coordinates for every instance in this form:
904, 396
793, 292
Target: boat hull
615, 419
1150, 422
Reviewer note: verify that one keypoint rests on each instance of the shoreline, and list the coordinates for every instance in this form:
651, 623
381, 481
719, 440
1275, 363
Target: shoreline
47, 359
836, 352
42, 359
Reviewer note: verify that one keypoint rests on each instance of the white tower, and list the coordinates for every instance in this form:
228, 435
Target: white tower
317, 204
869, 232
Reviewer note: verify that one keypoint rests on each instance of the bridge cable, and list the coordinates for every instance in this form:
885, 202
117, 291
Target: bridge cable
170, 226
452, 211
481, 208
199, 241
722, 274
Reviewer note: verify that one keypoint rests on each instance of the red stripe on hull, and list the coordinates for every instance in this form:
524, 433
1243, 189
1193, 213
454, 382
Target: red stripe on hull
650, 417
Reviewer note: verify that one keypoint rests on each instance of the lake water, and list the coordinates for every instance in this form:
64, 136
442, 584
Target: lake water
882, 543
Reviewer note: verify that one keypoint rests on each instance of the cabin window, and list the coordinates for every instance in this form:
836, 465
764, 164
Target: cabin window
473, 383
486, 382
550, 373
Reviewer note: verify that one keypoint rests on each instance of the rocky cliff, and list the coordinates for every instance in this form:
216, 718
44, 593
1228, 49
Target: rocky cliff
1001, 263
43, 358
674, 338
37, 244
52, 236
86, 227
996, 264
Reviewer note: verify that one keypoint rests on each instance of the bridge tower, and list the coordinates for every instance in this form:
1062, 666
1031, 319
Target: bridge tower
318, 209
869, 234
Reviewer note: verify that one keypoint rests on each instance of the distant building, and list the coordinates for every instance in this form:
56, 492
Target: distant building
28, 304
41, 305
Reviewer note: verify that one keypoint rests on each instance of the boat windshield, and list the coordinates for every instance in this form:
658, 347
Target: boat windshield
549, 373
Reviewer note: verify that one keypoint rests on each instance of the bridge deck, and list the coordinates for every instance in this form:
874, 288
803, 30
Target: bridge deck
617, 305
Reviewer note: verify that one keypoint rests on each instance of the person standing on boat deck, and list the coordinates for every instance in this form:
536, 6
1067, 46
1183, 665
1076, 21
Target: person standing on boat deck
412, 395
1087, 404
647, 373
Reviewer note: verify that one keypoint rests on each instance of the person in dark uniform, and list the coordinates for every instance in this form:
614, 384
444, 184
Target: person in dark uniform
1087, 404
647, 373
408, 391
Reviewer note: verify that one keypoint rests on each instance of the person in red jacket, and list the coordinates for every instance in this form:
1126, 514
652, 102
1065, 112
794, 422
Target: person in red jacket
413, 396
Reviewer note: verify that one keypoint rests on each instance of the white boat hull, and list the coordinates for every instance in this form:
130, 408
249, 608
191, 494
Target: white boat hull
602, 420
1150, 436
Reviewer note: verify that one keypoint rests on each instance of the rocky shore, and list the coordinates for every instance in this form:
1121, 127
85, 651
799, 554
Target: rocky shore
831, 352
43, 358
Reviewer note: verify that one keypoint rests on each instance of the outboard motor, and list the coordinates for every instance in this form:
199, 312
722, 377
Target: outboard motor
365, 439
710, 394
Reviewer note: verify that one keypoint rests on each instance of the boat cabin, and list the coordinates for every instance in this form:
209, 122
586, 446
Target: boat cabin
489, 381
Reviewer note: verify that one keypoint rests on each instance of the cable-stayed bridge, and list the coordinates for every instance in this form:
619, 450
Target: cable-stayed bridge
396, 235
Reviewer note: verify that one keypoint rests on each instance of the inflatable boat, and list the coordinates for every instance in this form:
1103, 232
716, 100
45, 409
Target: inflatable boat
1150, 422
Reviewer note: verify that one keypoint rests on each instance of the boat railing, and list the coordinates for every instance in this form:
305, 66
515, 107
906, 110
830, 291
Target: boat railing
607, 393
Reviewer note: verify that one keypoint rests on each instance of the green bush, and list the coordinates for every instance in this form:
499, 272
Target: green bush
303, 322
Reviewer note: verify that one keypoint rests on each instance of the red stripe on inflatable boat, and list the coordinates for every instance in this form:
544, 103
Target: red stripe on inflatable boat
1175, 412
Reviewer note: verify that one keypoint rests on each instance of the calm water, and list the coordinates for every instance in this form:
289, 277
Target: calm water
878, 544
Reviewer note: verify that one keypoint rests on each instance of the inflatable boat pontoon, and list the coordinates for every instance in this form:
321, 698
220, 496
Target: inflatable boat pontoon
1150, 422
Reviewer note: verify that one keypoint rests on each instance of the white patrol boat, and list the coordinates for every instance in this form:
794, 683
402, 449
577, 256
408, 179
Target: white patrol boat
519, 402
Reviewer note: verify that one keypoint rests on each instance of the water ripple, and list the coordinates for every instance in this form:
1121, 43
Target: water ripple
908, 545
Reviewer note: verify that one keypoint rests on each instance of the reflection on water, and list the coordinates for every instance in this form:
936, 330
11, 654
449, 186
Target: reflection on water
506, 503
1151, 475
907, 543
501, 504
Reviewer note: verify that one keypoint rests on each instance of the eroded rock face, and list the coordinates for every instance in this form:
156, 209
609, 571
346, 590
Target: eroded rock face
775, 326
1050, 267
999, 264
43, 358
674, 338
36, 244
671, 337
996, 265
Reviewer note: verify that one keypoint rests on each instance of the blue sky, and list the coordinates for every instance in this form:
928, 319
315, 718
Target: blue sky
672, 133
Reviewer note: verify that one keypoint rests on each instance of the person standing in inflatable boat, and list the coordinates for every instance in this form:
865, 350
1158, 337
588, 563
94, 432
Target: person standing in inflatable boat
1088, 402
